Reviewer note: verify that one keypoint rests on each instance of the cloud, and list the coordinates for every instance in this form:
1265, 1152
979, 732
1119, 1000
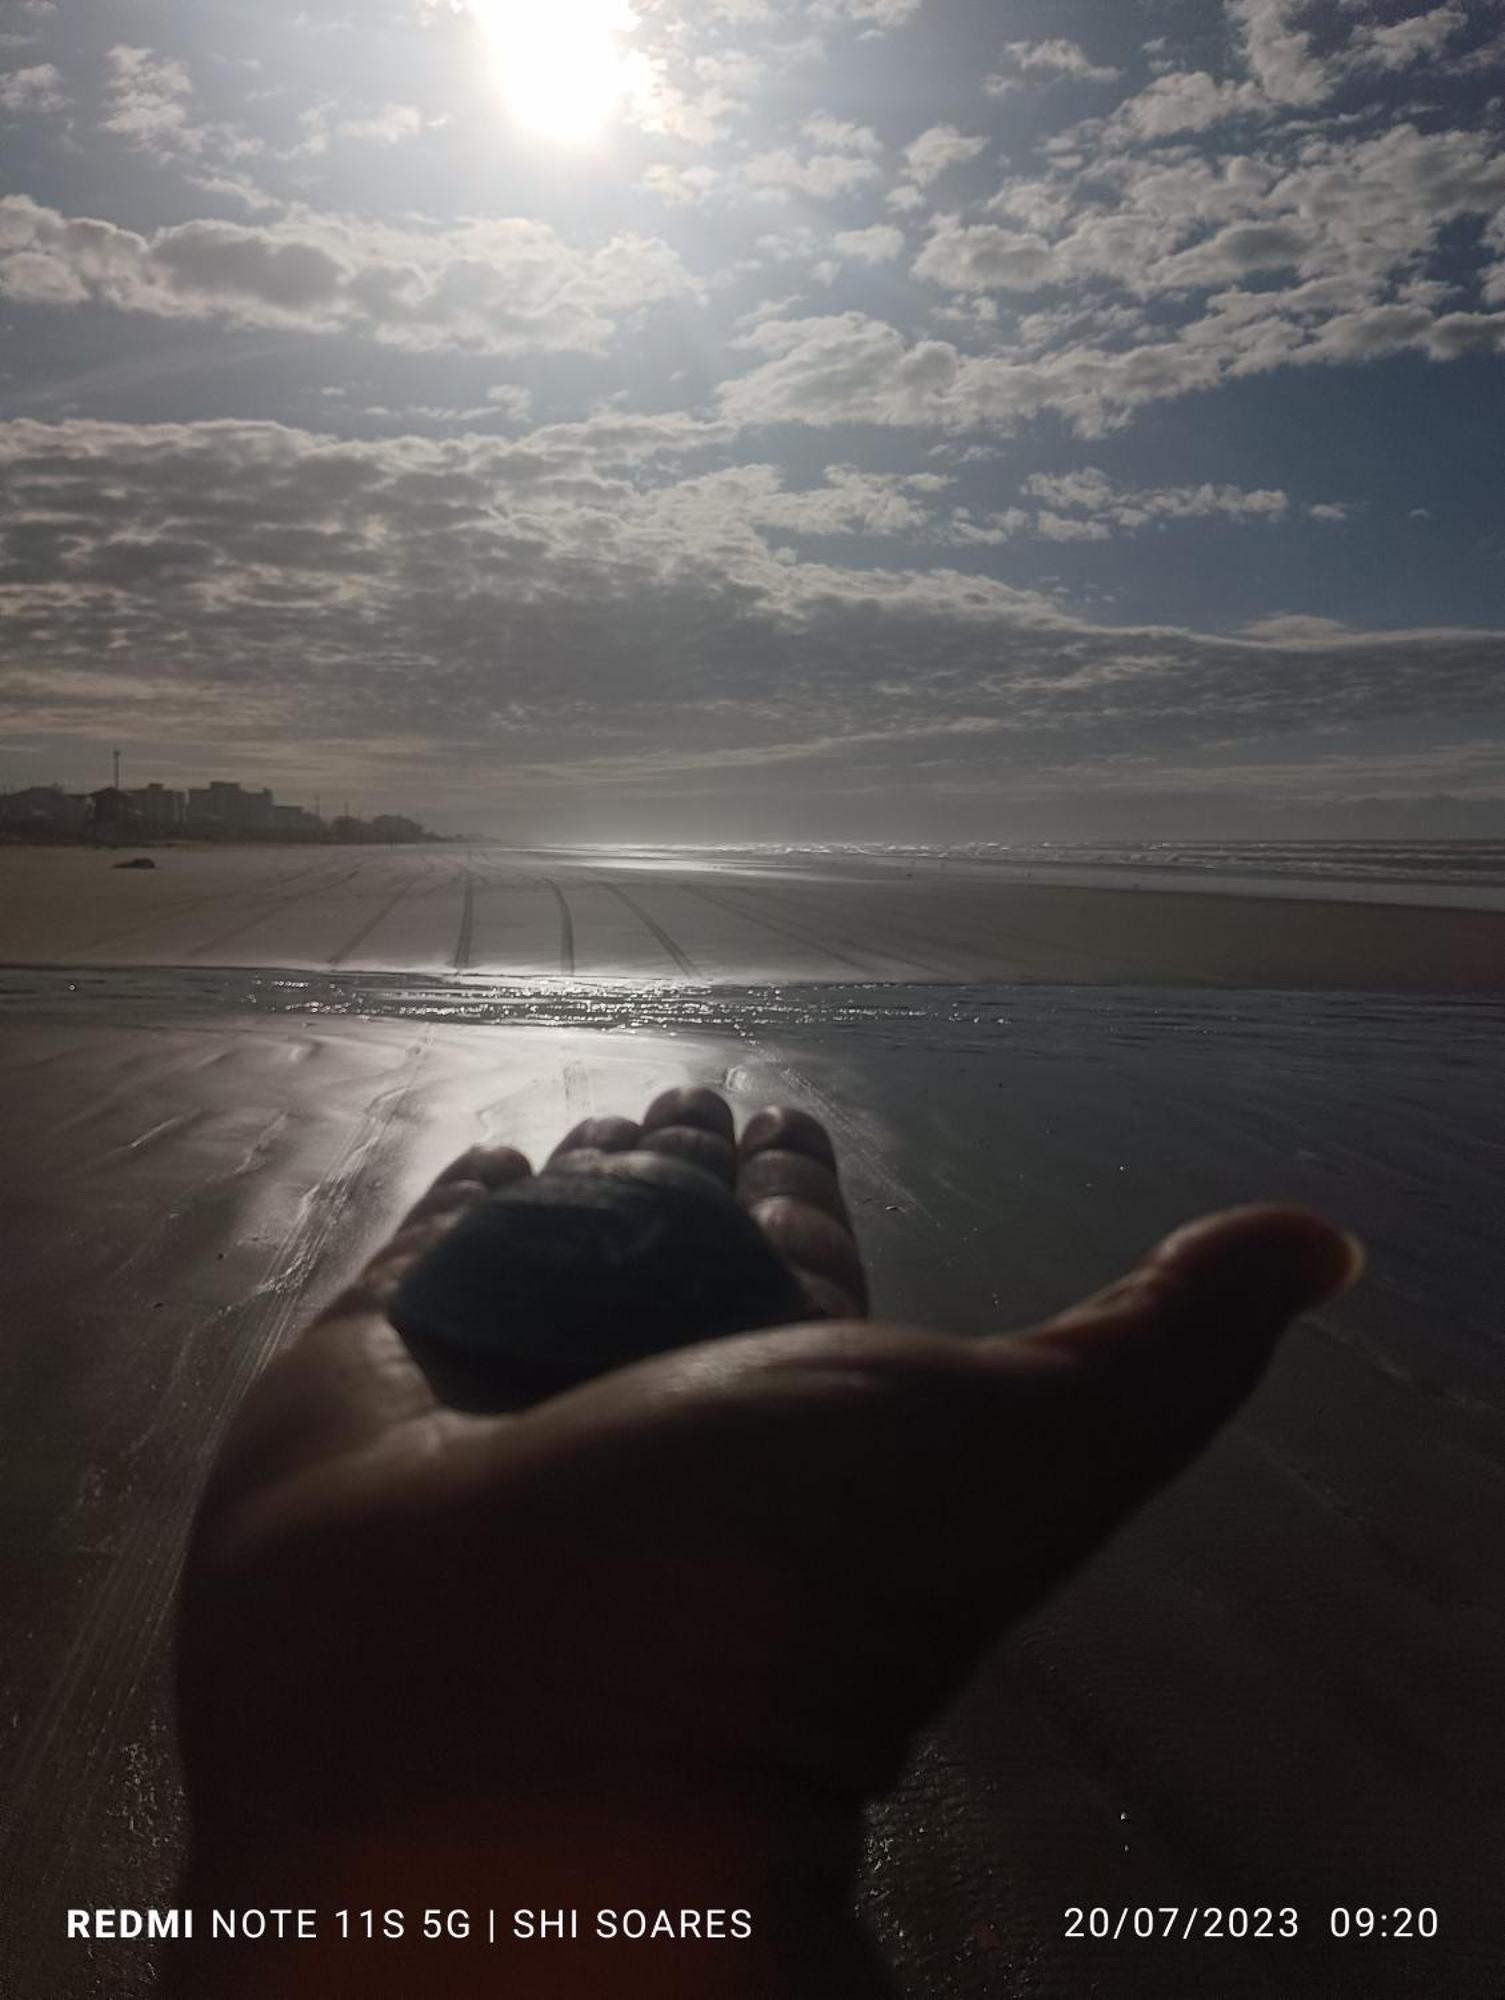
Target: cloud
880, 244
849, 368
841, 135
1055, 527
388, 126
981, 257
1058, 57
570, 599
1089, 492
1299, 629
679, 187
1400, 44
146, 100
507, 286
875, 15
938, 150
33, 92
1183, 101
28, 17
821, 176
1278, 52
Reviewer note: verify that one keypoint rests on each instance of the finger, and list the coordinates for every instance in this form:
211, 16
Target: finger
478, 1172
817, 1248
598, 1135
1139, 1377
708, 1151
705, 1110
695, 1125
658, 1168
779, 1171
786, 1179
1214, 1296
790, 1130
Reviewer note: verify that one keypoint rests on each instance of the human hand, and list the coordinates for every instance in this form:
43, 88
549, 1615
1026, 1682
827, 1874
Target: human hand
670, 1630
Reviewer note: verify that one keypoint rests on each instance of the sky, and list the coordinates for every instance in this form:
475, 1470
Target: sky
911, 420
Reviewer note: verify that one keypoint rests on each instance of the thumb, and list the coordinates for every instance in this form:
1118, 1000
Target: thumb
1131, 1384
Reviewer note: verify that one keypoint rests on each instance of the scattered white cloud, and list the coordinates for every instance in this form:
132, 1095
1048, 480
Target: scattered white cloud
981, 257
1056, 56
389, 125
841, 135
1288, 189
874, 15
880, 244
679, 187
1279, 51
461, 593
146, 100
820, 176
33, 92
1400, 44
938, 150
1104, 506
504, 287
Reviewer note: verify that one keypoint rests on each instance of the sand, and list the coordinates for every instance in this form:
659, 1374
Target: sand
484, 910
1280, 1684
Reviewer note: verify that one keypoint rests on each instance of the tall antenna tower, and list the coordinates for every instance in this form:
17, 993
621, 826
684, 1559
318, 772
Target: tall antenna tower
117, 770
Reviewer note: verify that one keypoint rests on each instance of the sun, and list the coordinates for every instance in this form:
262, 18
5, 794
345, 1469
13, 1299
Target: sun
562, 66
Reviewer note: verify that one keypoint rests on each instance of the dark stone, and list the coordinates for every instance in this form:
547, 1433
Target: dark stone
565, 1276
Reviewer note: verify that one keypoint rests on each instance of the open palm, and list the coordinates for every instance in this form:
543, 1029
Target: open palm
667, 1632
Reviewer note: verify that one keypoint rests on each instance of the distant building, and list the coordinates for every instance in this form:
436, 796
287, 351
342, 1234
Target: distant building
114, 811
392, 826
158, 806
231, 807
295, 819
45, 809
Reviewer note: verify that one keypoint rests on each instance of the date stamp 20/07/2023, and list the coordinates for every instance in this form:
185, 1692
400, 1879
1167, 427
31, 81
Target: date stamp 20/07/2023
1144, 1922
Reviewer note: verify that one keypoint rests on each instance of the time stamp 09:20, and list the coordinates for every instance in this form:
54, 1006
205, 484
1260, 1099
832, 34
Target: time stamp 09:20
1171, 1920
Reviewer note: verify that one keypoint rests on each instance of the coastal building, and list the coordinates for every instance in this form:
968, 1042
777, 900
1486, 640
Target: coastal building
159, 806
231, 807
294, 819
44, 809
113, 810
220, 810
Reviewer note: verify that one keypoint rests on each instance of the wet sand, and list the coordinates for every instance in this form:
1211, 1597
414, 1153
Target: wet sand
1279, 1686
488, 910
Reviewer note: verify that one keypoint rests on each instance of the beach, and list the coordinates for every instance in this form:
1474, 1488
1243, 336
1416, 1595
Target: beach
229, 1075
726, 920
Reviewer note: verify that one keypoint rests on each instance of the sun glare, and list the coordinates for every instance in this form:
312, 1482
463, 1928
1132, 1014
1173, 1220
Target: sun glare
562, 66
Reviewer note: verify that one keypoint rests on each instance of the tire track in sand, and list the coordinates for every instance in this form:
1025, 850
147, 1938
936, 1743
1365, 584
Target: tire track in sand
681, 958
66, 1754
865, 967
179, 906
465, 942
359, 936
275, 910
566, 929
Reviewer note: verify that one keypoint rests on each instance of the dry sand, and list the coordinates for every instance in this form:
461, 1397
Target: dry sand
448, 909
1279, 1686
